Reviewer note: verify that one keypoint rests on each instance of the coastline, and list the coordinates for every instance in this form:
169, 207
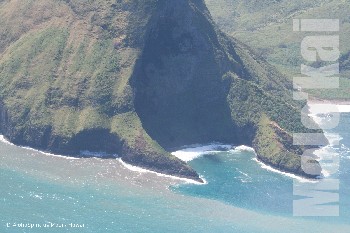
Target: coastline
153, 192
191, 152
186, 154
4, 140
102, 156
143, 170
284, 173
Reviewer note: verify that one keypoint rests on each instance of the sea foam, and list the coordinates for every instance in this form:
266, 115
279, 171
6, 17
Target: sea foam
319, 118
4, 140
333, 138
243, 149
269, 168
343, 108
290, 175
142, 170
195, 151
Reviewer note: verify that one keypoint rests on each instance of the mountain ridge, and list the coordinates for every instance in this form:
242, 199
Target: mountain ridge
137, 78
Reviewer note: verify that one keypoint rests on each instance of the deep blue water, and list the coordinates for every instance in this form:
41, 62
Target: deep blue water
240, 195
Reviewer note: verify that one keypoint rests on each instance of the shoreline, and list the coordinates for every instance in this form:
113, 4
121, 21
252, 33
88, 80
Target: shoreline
101, 155
193, 151
4, 140
284, 173
234, 149
143, 170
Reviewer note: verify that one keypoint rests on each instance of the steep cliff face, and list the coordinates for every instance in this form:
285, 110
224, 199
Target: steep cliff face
180, 95
135, 78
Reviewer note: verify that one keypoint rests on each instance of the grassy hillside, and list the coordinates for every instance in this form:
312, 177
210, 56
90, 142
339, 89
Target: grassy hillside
135, 78
267, 27
65, 69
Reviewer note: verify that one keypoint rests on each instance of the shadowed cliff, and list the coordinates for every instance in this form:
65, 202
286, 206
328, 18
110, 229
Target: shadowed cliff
138, 78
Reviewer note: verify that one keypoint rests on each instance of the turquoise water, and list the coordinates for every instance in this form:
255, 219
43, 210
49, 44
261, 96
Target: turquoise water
234, 178
103, 196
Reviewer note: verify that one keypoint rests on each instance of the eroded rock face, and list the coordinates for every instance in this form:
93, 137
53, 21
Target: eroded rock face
180, 95
136, 78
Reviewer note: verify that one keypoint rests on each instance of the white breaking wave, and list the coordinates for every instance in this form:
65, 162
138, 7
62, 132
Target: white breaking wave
326, 153
194, 152
103, 154
4, 140
335, 149
343, 108
333, 139
271, 169
345, 150
243, 149
191, 153
46, 153
314, 109
142, 170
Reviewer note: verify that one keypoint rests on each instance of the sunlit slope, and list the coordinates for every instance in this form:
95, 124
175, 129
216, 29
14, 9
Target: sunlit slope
137, 79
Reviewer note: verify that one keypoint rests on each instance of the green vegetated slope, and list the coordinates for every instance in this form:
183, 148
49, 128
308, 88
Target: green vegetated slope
137, 78
267, 26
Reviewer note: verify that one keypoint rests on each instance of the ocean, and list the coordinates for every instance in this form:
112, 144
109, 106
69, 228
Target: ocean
40, 192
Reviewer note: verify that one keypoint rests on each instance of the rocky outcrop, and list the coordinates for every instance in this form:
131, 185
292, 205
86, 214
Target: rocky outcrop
274, 146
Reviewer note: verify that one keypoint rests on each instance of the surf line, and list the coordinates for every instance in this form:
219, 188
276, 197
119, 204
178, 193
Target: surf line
324, 49
143, 170
5, 141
